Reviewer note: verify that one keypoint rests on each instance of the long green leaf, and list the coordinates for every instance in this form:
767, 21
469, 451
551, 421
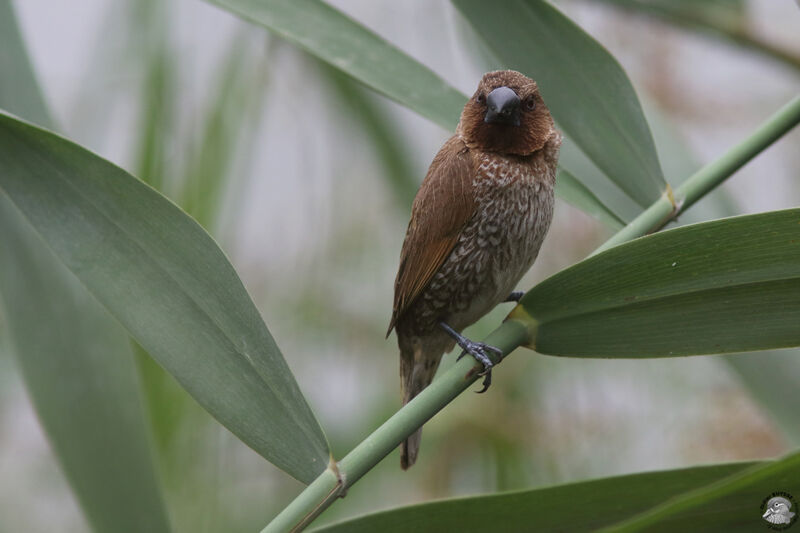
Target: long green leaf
584, 86
733, 500
730, 285
75, 358
584, 506
335, 38
169, 284
79, 370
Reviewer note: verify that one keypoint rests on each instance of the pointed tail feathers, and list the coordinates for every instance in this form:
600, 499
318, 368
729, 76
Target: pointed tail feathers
416, 372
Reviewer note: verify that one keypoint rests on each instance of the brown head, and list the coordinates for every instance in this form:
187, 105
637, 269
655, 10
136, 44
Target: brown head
506, 115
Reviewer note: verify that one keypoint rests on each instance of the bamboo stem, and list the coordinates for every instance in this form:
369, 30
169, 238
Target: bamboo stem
315, 498
335, 480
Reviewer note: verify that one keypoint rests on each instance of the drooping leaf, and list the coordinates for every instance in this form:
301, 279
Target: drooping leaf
169, 285
79, 371
730, 285
585, 88
75, 358
589, 505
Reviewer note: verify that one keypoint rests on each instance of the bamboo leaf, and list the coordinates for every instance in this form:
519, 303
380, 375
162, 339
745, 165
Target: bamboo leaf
75, 358
730, 285
335, 38
169, 285
584, 86
590, 505
724, 505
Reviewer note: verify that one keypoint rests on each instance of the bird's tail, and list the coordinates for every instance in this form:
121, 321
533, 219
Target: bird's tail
417, 369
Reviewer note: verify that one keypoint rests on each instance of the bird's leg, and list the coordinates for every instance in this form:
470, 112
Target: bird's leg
478, 351
515, 296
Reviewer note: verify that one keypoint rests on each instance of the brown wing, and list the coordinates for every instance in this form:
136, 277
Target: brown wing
443, 206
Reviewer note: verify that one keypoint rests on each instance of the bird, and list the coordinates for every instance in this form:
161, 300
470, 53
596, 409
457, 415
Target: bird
477, 223
778, 511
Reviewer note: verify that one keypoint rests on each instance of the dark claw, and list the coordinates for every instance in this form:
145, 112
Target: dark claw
514, 296
478, 351
487, 381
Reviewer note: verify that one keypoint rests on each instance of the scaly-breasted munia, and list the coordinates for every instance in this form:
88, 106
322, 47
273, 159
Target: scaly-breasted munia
476, 226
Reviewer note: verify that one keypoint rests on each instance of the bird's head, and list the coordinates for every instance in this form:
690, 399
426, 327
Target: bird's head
506, 115
778, 511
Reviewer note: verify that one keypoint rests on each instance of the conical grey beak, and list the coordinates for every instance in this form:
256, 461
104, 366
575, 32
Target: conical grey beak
502, 107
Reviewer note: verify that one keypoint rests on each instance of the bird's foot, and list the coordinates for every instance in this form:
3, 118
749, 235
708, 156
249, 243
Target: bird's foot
478, 350
515, 296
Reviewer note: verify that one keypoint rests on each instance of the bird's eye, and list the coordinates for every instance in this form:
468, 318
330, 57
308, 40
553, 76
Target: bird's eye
530, 103
481, 98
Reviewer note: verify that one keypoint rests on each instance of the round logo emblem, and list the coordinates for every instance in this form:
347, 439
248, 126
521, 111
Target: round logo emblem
779, 510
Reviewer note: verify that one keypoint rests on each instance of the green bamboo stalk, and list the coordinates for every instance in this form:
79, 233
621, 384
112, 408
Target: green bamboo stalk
321, 493
335, 481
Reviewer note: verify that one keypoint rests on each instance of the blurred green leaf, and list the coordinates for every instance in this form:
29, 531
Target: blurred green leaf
772, 378
726, 20
169, 284
730, 285
585, 88
583, 506
380, 131
227, 126
574, 192
730, 14
19, 92
335, 38
156, 119
79, 371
